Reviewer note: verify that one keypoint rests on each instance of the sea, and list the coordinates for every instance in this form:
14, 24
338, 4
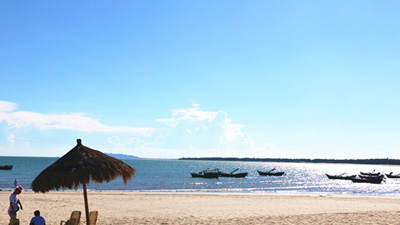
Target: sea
172, 175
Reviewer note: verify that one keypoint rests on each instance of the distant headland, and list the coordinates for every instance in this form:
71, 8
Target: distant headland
121, 156
384, 161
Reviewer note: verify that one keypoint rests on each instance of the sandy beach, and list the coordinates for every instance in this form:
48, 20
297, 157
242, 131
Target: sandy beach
208, 208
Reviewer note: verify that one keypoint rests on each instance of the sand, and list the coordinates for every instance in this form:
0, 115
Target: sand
208, 208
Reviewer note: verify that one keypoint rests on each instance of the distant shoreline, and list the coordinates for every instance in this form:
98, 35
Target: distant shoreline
377, 161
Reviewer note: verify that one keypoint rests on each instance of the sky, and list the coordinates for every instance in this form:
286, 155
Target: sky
227, 78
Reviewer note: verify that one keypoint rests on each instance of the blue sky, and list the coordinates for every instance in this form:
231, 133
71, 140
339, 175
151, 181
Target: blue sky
168, 79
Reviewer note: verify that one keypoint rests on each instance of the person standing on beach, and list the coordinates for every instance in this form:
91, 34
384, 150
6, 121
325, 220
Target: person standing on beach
14, 202
37, 220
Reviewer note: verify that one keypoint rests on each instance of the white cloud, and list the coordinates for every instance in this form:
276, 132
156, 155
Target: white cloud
114, 140
169, 122
194, 114
16, 143
191, 115
71, 121
7, 106
126, 146
198, 132
188, 132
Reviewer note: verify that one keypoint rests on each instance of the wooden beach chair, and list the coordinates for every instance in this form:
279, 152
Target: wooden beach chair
93, 218
74, 219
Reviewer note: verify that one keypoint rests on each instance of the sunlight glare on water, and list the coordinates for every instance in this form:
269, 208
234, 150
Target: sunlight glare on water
174, 175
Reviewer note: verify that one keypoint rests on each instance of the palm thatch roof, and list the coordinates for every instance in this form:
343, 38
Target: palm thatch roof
80, 166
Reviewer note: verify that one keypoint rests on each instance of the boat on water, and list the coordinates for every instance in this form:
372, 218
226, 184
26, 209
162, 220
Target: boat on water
369, 179
370, 176
208, 173
6, 167
342, 176
370, 173
391, 175
232, 174
271, 173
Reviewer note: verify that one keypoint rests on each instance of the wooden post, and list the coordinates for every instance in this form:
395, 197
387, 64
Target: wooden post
86, 204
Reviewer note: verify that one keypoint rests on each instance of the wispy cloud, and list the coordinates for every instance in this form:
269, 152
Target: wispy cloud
193, 114
132, 142
187, 132
11, 139
7, 106
67, 121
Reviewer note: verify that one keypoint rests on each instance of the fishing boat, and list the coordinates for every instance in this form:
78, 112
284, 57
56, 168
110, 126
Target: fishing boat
369, 179
370, 174
342, 176
6, 167
232, 174
391, 175
208, 173
271, 173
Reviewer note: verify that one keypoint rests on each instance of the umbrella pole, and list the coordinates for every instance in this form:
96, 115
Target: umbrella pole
86, 204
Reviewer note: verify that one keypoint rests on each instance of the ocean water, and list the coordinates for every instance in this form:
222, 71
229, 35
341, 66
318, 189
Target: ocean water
174, 176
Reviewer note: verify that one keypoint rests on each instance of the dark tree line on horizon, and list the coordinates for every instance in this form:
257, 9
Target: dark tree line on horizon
383, 161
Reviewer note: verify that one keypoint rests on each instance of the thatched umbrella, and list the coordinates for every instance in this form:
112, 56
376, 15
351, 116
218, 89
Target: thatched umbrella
79, 166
